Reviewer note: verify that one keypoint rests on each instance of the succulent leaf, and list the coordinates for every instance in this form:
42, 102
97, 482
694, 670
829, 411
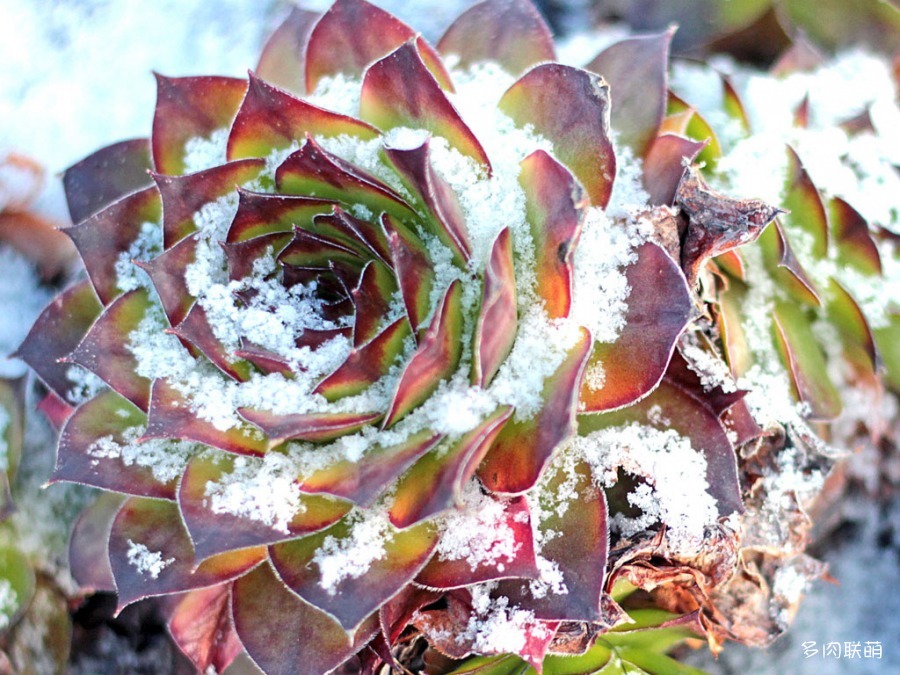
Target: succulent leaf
201, 627
283, 58
495, 329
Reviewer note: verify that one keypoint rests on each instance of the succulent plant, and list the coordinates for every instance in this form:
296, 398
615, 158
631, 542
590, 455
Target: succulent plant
396, 341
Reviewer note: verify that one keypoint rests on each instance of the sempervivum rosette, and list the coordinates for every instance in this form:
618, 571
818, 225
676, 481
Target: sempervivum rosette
368, 359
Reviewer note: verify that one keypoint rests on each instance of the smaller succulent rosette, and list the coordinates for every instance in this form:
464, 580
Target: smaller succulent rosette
382, 345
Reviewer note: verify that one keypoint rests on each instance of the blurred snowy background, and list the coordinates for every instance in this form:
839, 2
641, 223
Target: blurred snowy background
76, 75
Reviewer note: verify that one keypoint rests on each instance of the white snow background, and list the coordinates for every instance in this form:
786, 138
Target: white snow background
76, 75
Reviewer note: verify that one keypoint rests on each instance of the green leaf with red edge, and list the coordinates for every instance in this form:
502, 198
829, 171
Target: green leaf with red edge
434, 484
241, 256
636, 70
156, 524
265, 360
102, 237
366, 364
106, 416
692, 418
835, 24
853, 241
354, 34
283, 58
495, 328
807, 212
846, 315
183, 196
730, 322
196, 329
444, 572
372, 298
312, 250
171, 416
364, 479
732, 263
166, 271
105, 349
311, 427
659, 308
413, 267
215, 531
56, 332
261, 213
399, 91
576, 508
342, 225
888, 340
524, 448
190, 107
434, 360
555, 208
579, 130
351, 598
803, 357
785, 268
200, 624
509, 32
693, 125
271, 119
733, 106
305, 641
105, 176
447, 220
664, 166
313, 172
88, 559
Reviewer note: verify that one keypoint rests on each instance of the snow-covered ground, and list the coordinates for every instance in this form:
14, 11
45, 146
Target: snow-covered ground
76, 75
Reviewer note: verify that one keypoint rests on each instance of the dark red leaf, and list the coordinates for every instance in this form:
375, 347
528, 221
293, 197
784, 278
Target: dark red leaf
201, 627
495, 329
283, 58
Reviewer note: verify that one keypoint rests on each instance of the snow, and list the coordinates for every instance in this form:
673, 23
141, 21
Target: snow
146, 561
9, 603
5, 419
22, 298
166, 459
351, 556
496, 627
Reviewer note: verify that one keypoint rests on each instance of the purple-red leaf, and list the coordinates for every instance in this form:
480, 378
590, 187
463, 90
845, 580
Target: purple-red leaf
105, 349
413, 267
90, 449
414, 166
372, 299
366, 364
285, 635
201, 626
260, 214
214, 529
434, 360
196, 330
190, 107
554, 208
635, 69
495, 329
271, 119
522, 450
151, 553
88, 559
446, 572
579, 550
399, 91
171, 416
664, 166
102, 237
579, 130
166, 271
184, 196
364, 479
105, 176
312, 171
56, 332
352, 35
311, 427
659, 308
435, 482
283, 58
351, 598
509, 32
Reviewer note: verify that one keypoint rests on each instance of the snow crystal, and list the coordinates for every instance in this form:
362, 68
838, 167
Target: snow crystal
9, 603
477, 532
85, 384
711, 369
351, 556
338, 93
260, 489
496, 627
146, 561
165, 458
674, 491
22, 298
148, 244
204, 153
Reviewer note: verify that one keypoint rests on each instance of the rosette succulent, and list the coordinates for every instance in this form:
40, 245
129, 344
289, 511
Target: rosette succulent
399, 345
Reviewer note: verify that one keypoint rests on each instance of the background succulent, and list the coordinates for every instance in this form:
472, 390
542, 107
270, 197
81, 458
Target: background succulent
442, 299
